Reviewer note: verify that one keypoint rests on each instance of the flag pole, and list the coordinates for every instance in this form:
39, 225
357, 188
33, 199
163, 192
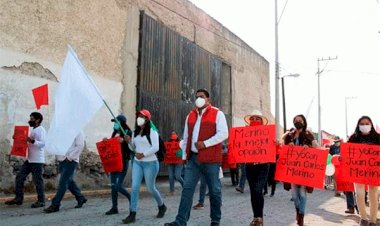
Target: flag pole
96, 88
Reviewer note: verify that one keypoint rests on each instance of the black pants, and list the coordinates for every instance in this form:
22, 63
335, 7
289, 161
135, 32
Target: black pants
36, 170
257, 179
271, 181
234, 172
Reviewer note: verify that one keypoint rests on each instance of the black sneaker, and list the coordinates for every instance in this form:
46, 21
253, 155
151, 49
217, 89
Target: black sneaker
80, 203
172, 224
161, 211
112, 211
37, 204
51, 209
13, 202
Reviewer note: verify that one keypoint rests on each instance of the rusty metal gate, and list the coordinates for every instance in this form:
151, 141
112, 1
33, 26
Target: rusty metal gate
170, 70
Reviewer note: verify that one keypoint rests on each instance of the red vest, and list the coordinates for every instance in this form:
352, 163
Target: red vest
207, 129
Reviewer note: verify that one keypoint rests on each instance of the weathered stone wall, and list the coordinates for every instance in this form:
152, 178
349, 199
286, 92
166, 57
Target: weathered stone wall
33, 43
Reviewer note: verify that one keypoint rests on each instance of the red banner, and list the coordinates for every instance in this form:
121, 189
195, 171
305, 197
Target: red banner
19, 141
171, 149
252, 144
301, 166
110, 155
226, 164
342, 183
361, 163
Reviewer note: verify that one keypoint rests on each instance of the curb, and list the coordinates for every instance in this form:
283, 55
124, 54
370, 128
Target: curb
49, 196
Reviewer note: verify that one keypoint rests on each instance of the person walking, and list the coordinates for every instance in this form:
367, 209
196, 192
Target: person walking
205, 130
202, 194
175, 169
67, 165
257, 174
145, 142
243, 178
33, 164
365, 133
117, 178
299, 136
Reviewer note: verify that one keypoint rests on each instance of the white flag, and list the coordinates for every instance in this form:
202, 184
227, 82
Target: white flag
76, 102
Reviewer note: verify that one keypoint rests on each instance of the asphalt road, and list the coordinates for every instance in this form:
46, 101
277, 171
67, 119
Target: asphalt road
323, 209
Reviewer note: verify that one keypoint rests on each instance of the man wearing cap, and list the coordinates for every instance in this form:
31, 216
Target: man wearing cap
257, 174
205, 130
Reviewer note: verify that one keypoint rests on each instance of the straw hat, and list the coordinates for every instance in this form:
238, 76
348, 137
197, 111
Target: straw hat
256, 113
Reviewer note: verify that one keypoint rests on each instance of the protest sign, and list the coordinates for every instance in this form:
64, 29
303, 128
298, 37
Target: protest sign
110, 155
361, 163
301, 166
254, 144
20, 144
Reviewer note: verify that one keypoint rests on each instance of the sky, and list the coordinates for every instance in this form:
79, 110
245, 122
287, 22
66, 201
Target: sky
308, 31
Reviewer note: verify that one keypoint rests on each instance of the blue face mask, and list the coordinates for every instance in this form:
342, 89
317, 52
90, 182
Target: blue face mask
116, 126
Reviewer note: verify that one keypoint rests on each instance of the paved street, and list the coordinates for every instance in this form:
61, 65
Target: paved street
323, 209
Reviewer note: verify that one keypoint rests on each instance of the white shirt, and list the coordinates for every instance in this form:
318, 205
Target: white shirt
36, 152
75, 150
220, 135
141, 145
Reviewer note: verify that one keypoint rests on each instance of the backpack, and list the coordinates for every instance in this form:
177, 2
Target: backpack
161, 150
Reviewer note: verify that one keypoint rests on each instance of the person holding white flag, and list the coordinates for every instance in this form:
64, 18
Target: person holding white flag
67, 166
76, 102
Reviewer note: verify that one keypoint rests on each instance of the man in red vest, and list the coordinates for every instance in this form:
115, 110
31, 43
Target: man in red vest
205, 130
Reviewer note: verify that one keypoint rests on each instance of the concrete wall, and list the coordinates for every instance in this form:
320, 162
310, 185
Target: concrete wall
33, 43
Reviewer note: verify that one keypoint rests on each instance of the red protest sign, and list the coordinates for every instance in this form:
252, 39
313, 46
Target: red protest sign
342, 183
110, 155
19, 141
361, 163
301, 166
252, 144
171, 149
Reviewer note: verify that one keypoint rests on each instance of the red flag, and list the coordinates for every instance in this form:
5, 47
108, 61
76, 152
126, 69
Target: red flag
41, 95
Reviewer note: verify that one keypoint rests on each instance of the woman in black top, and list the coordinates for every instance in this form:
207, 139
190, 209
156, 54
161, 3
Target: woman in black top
117, 178
365, 133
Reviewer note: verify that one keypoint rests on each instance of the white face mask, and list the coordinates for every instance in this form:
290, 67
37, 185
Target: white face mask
140, 121
365, 128
200, 102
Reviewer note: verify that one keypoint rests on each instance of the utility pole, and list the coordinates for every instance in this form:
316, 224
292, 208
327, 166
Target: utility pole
319, 72
277, 77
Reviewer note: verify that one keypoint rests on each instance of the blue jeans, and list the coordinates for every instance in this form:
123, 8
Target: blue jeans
350, 199
299, 197
148, 171
175, 171
66, 181
202, 190
26, 169
257, 176
117, 181
243, 176
193, 172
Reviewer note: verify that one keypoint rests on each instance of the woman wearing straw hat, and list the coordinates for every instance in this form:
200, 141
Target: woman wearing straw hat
257, 174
